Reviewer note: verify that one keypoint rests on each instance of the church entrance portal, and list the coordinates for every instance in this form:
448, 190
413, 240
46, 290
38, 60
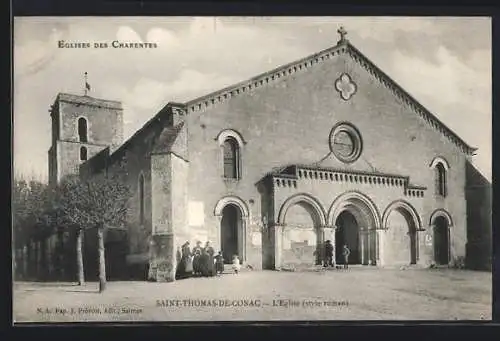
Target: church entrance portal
347, 233
441, 247
231, 233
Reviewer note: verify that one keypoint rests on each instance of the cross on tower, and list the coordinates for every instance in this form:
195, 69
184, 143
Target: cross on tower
342, 32
87, 85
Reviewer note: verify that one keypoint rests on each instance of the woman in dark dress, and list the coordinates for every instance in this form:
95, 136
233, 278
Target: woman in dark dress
219, 263
210, 261
196, 259
185, 258
203, 263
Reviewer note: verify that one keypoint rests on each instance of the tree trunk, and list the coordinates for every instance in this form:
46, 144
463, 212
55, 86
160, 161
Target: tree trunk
29, 261
43, 258
102, 260
26, 253
79, 256
36, 260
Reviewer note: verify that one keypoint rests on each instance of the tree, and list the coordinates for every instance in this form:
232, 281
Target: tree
98, 202
31, 204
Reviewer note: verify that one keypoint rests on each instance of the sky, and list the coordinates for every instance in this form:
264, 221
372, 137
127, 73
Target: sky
444, 62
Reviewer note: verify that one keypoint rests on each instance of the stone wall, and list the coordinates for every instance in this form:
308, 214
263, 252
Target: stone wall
104, 122
288, 121
479, 220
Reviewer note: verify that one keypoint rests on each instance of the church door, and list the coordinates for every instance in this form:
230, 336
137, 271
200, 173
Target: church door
231, 233
347, 233
441, 247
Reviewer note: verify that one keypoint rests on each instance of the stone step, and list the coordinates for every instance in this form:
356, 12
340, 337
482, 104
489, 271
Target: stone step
228, 268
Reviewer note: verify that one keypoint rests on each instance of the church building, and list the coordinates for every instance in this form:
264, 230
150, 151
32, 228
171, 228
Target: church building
328, 147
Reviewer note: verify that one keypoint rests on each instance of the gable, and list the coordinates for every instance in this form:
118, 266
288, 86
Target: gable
343, 50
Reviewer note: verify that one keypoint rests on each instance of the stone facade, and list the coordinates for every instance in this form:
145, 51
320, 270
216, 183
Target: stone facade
103, 128
290, 190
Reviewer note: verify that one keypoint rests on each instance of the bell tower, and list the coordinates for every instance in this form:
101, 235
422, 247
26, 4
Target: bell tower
82, 126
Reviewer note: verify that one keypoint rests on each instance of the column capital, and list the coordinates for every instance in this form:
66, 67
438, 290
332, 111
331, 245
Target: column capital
278, 227
327, 227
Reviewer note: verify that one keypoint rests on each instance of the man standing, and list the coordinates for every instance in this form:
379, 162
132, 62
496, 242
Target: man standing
346, 252
328, 254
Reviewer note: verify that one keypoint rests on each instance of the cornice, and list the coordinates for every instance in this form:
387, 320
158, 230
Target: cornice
87, 100
262, 79
304, 172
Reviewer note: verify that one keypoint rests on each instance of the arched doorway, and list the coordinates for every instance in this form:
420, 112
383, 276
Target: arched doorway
347, 233
301, 240
401, 223
401, 238
441, 241
356, 220
232, 233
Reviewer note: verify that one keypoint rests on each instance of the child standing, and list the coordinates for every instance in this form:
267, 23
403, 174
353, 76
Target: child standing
219, 263
236, 264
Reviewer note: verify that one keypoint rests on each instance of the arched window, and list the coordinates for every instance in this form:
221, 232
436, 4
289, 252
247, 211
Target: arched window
231, 158
82, 130
440, 180
83, 154
141, 198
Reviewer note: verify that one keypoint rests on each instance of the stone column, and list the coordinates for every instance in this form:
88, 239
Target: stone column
277, 233
373, 246
369, 248
363, 246
380, 247
218, 221
242, 238
327, 233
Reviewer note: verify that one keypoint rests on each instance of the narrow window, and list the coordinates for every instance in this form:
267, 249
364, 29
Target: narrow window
141, 198
440, 180
231, 155
82, 130
83, 154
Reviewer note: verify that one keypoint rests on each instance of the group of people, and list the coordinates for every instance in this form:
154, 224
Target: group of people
328, 255
201, 261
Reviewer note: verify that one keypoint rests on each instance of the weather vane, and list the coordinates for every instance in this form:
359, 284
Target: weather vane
87, 85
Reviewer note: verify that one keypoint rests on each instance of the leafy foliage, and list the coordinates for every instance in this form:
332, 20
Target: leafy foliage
97, 201
39, 209
31, 207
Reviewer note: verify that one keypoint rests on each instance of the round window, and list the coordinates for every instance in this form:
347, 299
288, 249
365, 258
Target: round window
345, 142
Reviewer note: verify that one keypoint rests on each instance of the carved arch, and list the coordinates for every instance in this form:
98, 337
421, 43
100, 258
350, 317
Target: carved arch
439, 160
306, 198
231, 200
362, 204
408, 209
440, 213
230, 133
